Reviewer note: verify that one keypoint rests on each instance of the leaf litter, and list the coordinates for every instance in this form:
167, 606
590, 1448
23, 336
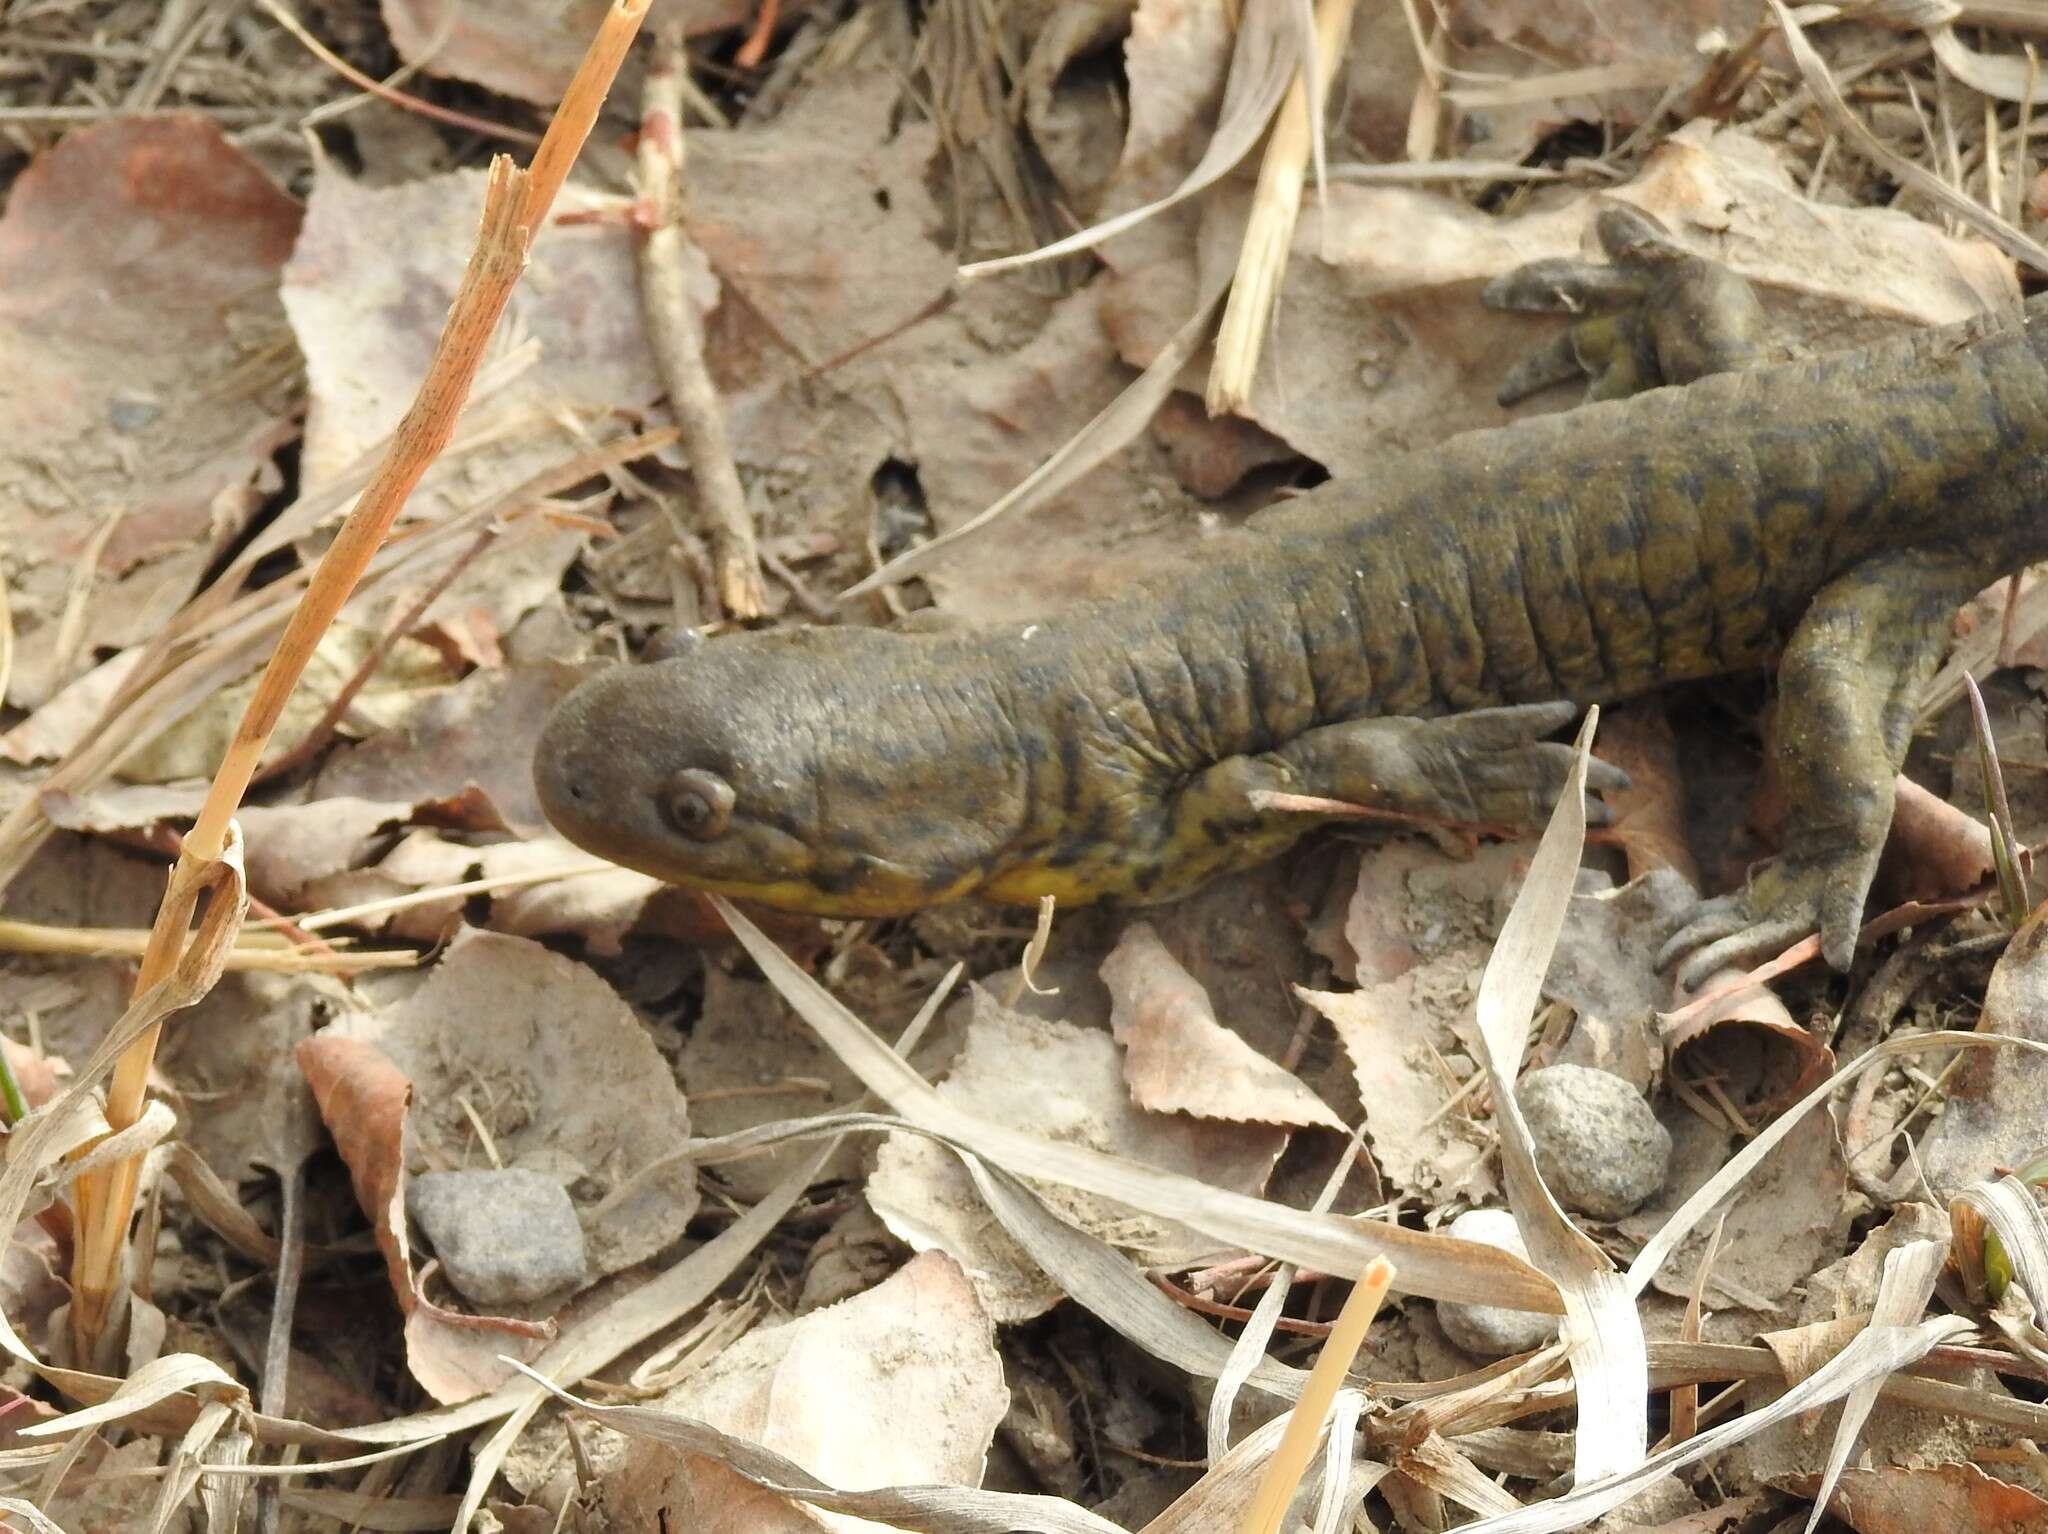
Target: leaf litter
1168, 1111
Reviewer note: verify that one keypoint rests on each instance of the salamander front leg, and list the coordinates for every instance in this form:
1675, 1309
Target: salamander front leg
1847, 692
1492, 764
1489, 766
1658, 315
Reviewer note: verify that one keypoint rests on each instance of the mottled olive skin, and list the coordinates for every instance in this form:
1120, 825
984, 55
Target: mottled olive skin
1833, 510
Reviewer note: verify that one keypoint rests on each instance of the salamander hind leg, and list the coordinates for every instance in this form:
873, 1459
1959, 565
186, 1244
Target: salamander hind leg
1848, 689
1657, 315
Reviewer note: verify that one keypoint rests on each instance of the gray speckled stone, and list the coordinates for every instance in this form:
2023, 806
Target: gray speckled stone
1488, 1331
504, 1237
1598, 1144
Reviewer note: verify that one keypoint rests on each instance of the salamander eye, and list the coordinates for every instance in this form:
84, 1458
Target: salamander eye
697, 803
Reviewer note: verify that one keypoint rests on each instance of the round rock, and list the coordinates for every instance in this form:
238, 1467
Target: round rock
1488, 1331
1598, 1144
505, 1237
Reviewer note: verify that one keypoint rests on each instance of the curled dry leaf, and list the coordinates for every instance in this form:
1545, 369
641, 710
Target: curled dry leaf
1178, 1058
139, 267
477, 734
1803, 1062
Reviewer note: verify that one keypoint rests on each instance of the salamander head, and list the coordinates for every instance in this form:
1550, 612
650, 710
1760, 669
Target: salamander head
764, 766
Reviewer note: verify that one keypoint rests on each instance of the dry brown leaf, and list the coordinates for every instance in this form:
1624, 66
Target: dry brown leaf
237, 1057
546, 1057
918, 1355
1063, 1082
193, 747
61, 724
477, 734
1428, 924
1788, 1218
748, 1061
1997, 1100
363, 1097
1934, 850
139, 266
526, 49
541, 1057
370, 281
980, 430
1956, 1499
1179, 1058
1649, 815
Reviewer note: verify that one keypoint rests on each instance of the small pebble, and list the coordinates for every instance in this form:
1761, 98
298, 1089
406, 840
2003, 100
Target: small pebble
504, 1237
1488, 1331
1598, 1145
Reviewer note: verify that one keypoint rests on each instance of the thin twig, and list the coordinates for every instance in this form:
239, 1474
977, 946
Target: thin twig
676, 333
372, 86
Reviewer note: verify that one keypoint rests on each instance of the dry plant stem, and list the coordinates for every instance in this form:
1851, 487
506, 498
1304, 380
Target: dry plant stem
277, 1347
1270, 230
515, 203
677, 335
1305, 1423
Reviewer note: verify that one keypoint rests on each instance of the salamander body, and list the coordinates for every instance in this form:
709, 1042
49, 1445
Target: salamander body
1403, 642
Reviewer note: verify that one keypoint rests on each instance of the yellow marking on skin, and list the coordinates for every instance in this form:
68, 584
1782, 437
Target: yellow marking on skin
875, 898
1028, 883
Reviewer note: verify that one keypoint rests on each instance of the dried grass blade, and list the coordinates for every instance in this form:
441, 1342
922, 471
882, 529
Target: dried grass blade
1103, 1281
1814, 71
1115, 426
1902, 1295
1435, 1265
1874, 1353
1276, 206
1249, 1351
1609, 1358
1261, 68
31, 1518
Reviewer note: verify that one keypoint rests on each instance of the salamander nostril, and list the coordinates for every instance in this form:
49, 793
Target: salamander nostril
576, 791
